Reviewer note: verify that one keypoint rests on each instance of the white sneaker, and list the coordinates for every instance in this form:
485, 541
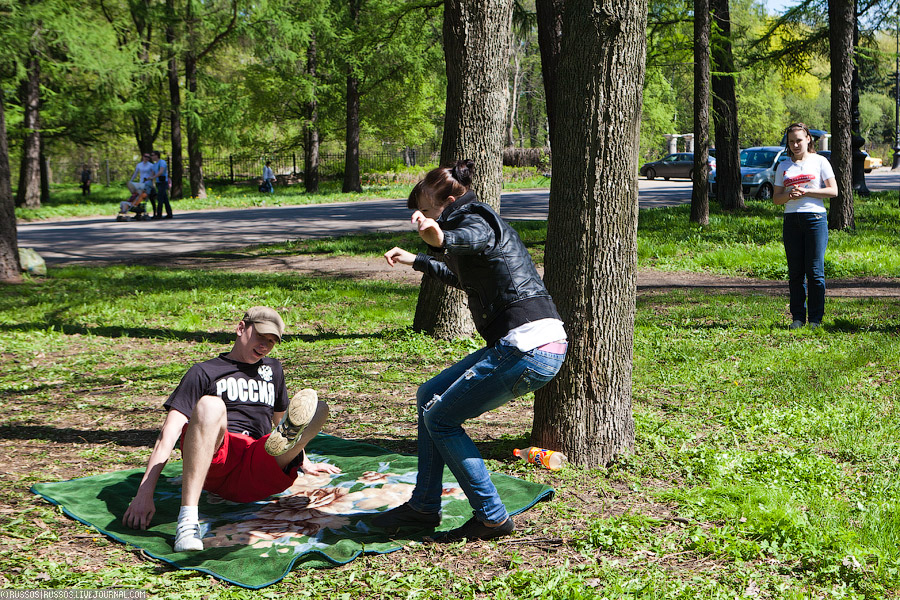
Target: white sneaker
300, 412
187, 537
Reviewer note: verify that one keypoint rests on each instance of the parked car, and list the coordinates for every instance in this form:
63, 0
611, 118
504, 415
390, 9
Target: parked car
869, 165
680, 164
757, 171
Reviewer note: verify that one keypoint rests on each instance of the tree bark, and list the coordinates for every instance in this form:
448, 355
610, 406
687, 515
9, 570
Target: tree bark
841, 18
351, 151
549, 24
591, 253
176, 160
476, 48
700, 193
28, 193
311, 129
10, 269
195, 154
728, 162
513, 97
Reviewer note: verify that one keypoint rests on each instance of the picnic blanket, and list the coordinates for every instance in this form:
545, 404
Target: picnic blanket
319, 521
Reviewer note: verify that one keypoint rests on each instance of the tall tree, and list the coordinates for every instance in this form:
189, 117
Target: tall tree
9, 247
28, 193
352, 181
476, 48
700, 191
311, 127
176, 158
842, 16
591, 252
203, 36
549, 23
728, 164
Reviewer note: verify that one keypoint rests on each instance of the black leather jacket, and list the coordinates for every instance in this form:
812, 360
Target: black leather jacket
483, 256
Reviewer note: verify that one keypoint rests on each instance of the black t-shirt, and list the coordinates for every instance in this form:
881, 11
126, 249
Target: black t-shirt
251, 392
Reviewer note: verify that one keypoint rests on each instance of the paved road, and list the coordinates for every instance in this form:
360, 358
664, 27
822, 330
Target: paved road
103, 239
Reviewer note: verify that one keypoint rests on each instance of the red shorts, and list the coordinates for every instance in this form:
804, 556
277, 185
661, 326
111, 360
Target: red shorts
242, 470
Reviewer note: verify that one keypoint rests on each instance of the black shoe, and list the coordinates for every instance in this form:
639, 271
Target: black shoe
405, 516
473, 529
797, 324
155, 217
814, 325
168, 216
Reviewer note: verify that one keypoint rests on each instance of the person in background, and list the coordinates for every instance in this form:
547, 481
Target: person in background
145, 172
162, 187
801, 186
268, 178
85, 180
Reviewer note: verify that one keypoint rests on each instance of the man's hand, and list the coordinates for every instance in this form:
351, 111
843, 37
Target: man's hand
399, 255
429, 230
139, 514
311, 468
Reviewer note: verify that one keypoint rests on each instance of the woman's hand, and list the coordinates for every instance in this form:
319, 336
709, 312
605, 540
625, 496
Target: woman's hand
429, 230
399, 255
797, 192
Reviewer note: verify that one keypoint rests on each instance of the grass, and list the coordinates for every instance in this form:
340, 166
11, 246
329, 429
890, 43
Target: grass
66, 200
746, 244
765, 466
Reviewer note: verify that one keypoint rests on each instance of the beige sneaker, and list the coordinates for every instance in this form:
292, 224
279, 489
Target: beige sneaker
300, 412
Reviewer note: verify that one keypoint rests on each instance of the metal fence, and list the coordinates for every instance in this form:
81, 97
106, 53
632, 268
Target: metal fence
238, 168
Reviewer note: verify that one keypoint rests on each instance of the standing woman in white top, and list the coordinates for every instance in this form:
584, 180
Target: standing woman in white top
801, 185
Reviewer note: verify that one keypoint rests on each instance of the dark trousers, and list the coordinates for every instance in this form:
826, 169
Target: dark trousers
162, 199
805, 238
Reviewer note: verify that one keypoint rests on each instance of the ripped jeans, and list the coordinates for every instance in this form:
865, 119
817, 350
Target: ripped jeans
480, 382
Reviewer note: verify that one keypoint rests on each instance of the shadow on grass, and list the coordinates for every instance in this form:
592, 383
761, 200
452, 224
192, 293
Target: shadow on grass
68, 435
223, 337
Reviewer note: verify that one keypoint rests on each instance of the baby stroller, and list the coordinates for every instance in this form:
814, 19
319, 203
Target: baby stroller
134, 204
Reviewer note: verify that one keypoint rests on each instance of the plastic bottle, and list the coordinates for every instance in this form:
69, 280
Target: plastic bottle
551, 459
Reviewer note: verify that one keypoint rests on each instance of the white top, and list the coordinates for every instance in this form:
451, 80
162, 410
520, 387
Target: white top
267, 174
811, 173
534, 334
145, 171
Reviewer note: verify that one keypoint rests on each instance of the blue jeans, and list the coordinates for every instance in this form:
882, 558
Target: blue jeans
480, 382
805, 238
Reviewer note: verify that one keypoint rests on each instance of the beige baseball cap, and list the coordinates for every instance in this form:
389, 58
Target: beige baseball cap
265, 320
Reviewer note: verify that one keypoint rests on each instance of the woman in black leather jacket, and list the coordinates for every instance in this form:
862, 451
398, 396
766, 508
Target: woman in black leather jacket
479, 253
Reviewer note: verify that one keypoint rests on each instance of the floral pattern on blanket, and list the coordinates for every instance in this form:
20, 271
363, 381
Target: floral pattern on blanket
312, 506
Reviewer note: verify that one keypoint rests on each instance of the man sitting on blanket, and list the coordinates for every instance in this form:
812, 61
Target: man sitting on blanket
223, 411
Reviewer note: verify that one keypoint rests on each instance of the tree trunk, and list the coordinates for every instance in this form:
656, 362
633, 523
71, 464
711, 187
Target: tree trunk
351, 154
476, 48
513, 98
176, 160
29, 191
841, 18
591, 253
45, 175
700, 193
549, 24
311, 130
10, 270
728, 162
195, 155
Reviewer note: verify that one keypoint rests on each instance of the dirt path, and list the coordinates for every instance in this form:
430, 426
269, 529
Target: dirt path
650, 281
